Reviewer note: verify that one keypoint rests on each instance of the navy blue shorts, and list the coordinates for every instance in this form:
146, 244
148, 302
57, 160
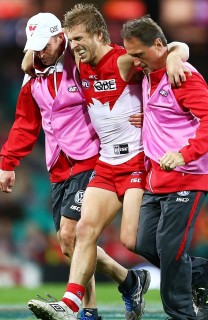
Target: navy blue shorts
66, 197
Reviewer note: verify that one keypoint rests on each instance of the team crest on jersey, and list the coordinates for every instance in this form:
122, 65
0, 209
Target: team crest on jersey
105, 85
79, 196
163, 93
85, 84
73, 89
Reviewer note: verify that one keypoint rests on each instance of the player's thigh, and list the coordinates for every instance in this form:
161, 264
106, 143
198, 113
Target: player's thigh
99, 207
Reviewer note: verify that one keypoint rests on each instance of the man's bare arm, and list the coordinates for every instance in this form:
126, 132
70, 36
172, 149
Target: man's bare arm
176, 70
27, 63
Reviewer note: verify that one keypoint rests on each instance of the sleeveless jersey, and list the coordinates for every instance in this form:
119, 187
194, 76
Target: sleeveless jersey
111, 101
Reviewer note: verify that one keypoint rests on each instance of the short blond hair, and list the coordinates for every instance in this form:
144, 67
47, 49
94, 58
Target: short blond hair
88, 16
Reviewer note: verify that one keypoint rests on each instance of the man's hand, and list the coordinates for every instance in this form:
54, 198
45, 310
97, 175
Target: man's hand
136, 120
7, 179
171, 160
176, 70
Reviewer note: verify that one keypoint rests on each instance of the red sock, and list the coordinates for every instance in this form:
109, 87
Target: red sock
73, 296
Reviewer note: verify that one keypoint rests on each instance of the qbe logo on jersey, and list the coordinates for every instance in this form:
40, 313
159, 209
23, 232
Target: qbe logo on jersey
79, 197
105, 85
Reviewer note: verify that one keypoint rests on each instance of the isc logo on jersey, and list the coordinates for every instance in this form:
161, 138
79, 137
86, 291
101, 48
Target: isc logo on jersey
105, 85
136, 180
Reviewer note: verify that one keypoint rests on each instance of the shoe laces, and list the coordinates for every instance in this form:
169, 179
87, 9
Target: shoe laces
131, 300
142, 276
195, 297
202, 296
48, 298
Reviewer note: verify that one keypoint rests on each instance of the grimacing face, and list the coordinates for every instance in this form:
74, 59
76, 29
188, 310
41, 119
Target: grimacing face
84, 45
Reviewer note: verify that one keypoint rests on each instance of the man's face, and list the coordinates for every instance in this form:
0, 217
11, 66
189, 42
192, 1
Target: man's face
144, 56
84, 45
51, 52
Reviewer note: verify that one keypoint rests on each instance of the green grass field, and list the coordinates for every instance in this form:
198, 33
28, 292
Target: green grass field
107, 293
13, 301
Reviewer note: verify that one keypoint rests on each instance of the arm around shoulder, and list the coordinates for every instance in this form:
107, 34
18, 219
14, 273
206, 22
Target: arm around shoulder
176, 69
27, 63
180, 48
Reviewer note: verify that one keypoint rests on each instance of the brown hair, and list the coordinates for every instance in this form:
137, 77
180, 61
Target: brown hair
87, 15
145, 29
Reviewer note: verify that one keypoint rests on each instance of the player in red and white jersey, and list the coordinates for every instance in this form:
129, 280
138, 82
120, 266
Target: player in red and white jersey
112, 88
113, 94
111, 101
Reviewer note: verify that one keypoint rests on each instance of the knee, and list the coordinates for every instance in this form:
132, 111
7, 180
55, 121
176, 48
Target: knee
128, 238
86, 231
128, 243
67, 241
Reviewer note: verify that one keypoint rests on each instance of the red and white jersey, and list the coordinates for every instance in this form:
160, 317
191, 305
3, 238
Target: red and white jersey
111, 101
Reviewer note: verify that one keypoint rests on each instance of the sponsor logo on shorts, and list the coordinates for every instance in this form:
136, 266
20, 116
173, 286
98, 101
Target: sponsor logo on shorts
182, 199
79, 196
121, 148
105, 85
183, 193
57, 307
92, 175
75, 208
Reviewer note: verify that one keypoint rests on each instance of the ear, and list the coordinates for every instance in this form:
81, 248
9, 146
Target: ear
61, 35
99, 36
158, 45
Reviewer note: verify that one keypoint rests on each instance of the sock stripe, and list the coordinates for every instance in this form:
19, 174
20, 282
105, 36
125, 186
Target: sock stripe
73, 297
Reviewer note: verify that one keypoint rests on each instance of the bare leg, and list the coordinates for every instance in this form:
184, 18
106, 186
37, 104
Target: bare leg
66, 237
130, 217
110, 267
98, 210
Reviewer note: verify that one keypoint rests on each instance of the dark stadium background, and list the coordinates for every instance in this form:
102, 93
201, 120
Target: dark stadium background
28, 247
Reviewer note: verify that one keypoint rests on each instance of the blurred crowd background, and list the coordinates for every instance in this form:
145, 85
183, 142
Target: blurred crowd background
29, 251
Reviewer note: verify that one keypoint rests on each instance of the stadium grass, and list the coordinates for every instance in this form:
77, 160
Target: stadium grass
107, 293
